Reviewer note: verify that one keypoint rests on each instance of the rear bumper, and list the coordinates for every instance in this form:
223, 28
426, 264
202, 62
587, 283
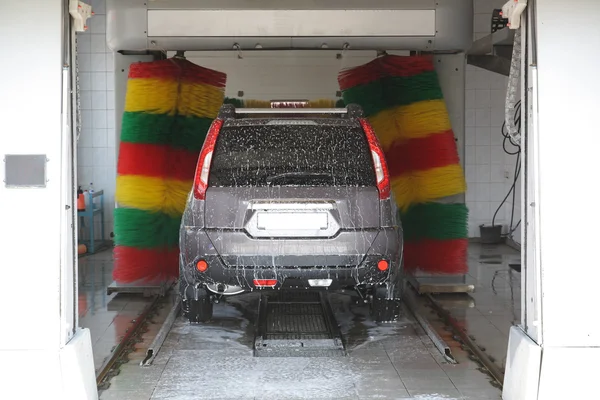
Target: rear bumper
235, 260
238, 279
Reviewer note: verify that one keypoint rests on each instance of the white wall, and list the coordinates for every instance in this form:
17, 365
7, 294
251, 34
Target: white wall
30, 111
268, 75
38, 357
96, 146
486, 163
562, 216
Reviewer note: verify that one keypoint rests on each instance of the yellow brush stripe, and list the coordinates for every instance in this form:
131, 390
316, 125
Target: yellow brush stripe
159, 96
416, 120
250, 103
322, 103
384, 125
152, 194
425, 186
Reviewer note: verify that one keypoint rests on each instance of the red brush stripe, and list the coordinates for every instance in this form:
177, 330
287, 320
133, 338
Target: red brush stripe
156, 161
402, 66
360, 75
182, 164
133, 265
419, 154
177, 69
397, 66
142, 159
437, 256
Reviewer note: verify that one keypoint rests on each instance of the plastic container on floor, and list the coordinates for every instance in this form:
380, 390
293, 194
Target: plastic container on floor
490, 234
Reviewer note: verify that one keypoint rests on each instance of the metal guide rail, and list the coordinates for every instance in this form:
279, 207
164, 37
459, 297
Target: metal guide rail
297, 324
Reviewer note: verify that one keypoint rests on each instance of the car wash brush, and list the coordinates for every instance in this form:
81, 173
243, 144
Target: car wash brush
403, 100
169, 107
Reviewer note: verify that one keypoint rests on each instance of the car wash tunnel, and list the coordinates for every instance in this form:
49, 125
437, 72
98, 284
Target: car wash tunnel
297, 200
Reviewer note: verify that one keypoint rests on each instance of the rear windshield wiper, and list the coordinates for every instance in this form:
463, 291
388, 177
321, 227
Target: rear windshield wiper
286, 175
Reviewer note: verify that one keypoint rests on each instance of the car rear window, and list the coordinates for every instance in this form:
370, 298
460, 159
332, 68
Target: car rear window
292, 155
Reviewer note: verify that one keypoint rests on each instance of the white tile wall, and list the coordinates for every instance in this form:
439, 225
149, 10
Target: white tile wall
96, 146
486, 163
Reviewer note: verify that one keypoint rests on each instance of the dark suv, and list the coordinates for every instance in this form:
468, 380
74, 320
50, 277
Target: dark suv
290, 199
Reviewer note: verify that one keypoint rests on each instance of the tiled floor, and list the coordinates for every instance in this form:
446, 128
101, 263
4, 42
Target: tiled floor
107, 316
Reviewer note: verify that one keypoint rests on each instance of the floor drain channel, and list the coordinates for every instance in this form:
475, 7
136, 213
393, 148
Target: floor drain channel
297, 324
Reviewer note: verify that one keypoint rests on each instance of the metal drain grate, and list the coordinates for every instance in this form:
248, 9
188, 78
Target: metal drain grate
296, 321
297, 324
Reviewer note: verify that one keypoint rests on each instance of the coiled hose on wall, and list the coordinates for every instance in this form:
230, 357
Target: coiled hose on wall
512, 92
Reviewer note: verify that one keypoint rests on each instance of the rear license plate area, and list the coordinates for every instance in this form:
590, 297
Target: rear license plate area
284, 221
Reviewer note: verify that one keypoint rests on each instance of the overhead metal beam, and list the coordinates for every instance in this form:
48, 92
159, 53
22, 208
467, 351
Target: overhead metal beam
420, 25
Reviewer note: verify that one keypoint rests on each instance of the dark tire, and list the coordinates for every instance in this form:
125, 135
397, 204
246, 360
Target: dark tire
200, 310
382, 308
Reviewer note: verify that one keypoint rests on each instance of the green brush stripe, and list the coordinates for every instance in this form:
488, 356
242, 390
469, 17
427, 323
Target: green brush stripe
190, 132
146, 128
402, 91
369, 97
435, 221
238, 103
144, 229
390, 92
177, 131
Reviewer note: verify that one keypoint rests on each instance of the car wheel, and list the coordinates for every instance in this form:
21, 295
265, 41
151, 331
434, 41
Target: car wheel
382, 308
200, 310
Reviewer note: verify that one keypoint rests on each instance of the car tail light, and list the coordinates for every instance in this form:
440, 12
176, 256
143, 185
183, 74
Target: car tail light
202, 266
204, 161
381, 169
265, 282
383, 265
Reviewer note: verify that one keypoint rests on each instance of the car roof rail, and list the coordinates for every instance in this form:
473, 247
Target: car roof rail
228, 111
355, 111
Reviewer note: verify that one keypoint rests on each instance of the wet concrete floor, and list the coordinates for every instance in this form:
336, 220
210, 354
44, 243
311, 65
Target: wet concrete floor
215, 361
400, 357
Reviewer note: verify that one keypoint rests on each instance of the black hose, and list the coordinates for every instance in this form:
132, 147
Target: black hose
517, 171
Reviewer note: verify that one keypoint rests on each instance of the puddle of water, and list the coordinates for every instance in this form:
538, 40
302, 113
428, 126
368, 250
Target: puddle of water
357, 326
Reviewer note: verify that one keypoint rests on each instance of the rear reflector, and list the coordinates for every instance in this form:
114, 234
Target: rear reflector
265, 282
201, 265
320, 282
383, 265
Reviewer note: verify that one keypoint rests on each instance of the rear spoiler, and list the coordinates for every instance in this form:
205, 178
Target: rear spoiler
228, 111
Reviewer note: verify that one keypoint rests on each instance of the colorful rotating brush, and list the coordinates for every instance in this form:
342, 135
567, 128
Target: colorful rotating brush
403, 100
169, 107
